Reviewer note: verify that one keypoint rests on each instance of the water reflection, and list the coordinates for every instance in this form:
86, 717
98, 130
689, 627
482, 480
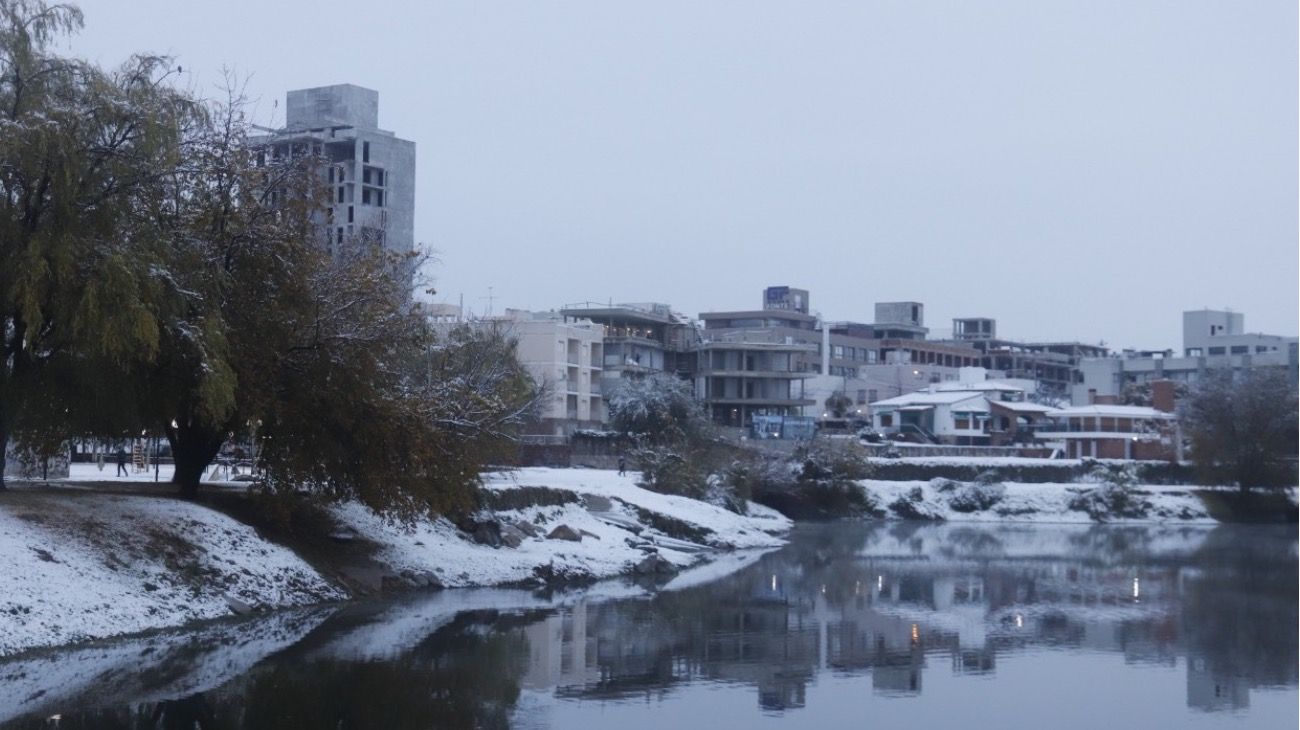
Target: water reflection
884, 609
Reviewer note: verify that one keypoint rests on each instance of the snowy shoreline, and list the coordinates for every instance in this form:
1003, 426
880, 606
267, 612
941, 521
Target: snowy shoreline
80, 564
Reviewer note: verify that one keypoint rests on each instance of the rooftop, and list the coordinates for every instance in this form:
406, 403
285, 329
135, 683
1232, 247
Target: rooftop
1113, 411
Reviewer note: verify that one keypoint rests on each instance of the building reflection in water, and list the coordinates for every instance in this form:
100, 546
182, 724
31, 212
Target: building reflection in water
866, 610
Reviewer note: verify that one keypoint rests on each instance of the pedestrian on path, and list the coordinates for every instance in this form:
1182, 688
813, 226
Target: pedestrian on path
121, 463
622, 465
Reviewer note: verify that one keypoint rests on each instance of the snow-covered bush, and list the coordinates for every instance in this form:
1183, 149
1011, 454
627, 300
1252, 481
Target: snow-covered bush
914, 506
943, 486
1109, 501
988, 477
669, 471
1114, 496
657, 406
976, 497
1120, 474
822, 482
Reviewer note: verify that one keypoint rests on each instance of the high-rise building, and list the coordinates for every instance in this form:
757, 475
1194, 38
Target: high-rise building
369, 172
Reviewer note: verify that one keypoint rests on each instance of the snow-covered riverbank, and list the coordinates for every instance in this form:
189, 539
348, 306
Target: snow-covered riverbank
78, 564
618, 525
83, 566
941, 499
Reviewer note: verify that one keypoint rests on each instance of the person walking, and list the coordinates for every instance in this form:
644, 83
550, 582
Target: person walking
121, 462
622, 465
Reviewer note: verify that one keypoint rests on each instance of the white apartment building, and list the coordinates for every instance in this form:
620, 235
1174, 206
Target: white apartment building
565, 358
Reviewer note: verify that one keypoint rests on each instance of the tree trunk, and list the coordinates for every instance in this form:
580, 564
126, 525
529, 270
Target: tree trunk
193, 449
4, 453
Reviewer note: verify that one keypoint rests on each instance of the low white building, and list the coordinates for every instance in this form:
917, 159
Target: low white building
987, 412
1113, 432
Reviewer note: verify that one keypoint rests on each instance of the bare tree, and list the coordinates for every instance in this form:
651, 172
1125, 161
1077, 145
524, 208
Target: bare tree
1243, 428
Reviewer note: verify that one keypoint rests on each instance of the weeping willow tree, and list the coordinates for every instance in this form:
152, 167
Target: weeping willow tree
78, 145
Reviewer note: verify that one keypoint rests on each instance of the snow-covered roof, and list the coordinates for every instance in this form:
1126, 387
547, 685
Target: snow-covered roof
927, 398
1113, 411
1024, 407
980, 387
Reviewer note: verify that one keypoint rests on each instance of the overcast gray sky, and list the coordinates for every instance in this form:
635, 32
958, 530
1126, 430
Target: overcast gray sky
1077, 169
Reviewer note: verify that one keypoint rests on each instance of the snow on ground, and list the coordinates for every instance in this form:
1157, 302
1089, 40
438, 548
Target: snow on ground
757, 528
92, 473
95, 565
613, 540
990, 461
1049, 502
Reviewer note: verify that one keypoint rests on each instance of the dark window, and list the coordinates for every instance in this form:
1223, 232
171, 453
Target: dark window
365, 152
379, 198
365, 196
340, 234
349, 214
331, 174
1260, 348
1240, 349
340, 194
1216, 350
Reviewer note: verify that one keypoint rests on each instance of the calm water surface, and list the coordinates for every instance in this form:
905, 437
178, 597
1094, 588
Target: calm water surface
883, 625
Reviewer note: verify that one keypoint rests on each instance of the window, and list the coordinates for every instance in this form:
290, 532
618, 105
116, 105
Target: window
339, 236
961, 423
365, 152
872, 356
837, 351
862, 397
1240, 349
331, 174
379, 198
350, 218
1260, 348
340, 194
365, 196
871, 396
1216, 350
886, 420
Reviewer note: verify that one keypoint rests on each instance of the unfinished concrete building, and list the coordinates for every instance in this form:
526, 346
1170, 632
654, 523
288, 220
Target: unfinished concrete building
369, 172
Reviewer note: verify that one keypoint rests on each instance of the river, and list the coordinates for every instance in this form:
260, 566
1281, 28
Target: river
865, 624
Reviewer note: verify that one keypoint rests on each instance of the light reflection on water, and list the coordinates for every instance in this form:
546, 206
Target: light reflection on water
902, 623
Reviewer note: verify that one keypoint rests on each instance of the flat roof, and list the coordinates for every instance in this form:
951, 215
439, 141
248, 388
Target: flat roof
752, 313
1112, 411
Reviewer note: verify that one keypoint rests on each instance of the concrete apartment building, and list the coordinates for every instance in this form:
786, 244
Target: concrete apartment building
640, 338
369, 172
1053, 365
864, 362
1212, 339
740, 375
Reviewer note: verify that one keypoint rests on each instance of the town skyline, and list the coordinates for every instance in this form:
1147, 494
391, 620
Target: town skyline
1075, 173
